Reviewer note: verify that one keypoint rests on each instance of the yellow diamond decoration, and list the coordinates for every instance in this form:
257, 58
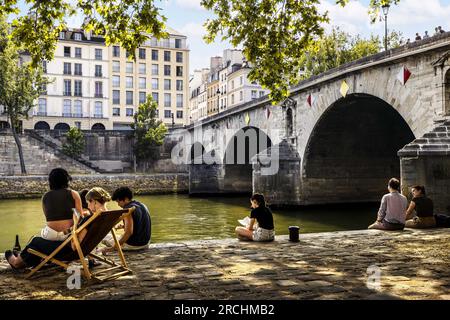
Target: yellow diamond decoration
247, 118
344, 89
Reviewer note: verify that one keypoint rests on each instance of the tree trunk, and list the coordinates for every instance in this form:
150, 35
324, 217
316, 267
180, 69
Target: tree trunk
19, 147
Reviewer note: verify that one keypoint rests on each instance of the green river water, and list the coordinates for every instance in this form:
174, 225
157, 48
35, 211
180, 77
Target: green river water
180, 217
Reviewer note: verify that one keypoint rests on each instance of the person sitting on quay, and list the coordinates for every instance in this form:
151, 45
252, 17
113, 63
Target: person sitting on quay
137, 227
263, 216
418, 37
391, 215
57, 205
423, 207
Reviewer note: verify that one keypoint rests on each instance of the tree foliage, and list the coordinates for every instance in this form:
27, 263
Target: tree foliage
74, 145
20, 83
339, 47
274, 34
149, 131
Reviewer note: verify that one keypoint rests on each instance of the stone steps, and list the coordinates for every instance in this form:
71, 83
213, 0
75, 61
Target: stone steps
39, 159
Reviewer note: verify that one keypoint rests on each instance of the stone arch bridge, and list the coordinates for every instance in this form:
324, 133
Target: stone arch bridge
332, 142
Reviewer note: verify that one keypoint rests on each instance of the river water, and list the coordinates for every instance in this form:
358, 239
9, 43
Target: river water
180, 217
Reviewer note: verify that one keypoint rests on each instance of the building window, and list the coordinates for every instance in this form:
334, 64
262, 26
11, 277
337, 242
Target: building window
254, 94
155, 96
98, 54
129, 97
155, 55
142, 83
179, 57
77, 36
67, 68
98, 89
116, 66
67, 87
42, 107
116, 81
98, 71
141, 53
78, 109
232, 84
62, 35
78, 86
155, 70
241, 80
67, 108
179, 85
78, 125
129, 82
78, 53
179, 114
155, 84
98, 109
66, 51
116, 51
166, 84
261, 94
116, 112
129, 112
142, 97
232, 99
179, 101
129, 67
167, 100
178, 43
167, 56
179, 71
241, 96
116, 97
142, 68
167, 70
44, 66
78, 69
167, 114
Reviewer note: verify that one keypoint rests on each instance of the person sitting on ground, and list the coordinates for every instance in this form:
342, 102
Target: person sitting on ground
418, 37
96, 198
436, 31
58, 204
423, 206
426, 35
391, 215
263, 215
137, 227
440, 30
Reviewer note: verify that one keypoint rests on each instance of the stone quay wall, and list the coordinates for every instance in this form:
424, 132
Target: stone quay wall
36, 186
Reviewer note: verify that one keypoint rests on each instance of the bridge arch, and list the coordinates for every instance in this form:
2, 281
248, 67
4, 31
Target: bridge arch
352, 150
237, 160
447, 92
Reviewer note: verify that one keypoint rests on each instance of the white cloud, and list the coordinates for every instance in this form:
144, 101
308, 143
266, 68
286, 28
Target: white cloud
193, 30
189, 4
409, 17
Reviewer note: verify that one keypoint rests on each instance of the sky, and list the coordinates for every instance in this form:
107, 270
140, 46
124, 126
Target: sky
409, 17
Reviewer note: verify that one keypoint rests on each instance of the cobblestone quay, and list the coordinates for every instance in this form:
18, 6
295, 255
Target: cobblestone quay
413, 265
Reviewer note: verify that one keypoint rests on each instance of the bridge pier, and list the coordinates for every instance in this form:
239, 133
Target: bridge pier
284, 187
426, 161
206, 178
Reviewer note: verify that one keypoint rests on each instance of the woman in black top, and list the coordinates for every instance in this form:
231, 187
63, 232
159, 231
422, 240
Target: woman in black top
262, 215
423, 206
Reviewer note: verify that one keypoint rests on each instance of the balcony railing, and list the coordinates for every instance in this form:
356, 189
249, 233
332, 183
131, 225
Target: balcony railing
67, 93
99, 74
65, 115
78, 94
98, 95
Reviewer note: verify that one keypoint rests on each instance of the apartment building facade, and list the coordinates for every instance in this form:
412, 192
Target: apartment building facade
227, 85
77, 95
161, 70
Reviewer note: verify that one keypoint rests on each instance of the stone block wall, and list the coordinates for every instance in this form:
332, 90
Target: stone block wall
36, 186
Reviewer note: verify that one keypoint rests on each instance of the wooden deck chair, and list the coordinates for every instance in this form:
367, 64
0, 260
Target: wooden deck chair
98, 226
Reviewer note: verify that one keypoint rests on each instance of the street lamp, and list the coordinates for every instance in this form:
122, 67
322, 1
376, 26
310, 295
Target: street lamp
385, 8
